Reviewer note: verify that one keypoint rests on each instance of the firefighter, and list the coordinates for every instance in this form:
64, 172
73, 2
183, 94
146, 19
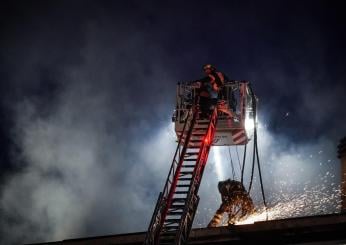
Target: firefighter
204, 97
236, 202
217, 81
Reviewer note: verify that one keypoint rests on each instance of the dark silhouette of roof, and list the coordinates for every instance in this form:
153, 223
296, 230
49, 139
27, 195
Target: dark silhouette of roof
324, 229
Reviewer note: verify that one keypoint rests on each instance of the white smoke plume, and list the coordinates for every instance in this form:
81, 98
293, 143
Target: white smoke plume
94, 90
84, 177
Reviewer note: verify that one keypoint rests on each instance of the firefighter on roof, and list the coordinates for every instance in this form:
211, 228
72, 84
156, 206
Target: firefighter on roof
236, 202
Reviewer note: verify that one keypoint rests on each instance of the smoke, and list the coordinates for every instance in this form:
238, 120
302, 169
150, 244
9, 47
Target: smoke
299, 179
93, 91
94, 148
87, 169
83, 177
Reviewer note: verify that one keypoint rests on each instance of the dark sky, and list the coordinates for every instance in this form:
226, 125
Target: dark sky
88, 88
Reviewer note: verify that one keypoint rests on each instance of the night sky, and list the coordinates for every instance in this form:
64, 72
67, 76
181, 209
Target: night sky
88, 90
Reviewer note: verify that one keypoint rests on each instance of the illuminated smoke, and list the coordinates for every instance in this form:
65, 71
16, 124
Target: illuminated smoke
299, 180
218, 162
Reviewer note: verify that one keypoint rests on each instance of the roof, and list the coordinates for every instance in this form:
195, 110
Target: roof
324, 229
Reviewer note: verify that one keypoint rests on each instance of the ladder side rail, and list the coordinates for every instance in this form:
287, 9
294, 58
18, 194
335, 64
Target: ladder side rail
150, 236
176, 154
156, 219
210, 137
173, 184
192, 198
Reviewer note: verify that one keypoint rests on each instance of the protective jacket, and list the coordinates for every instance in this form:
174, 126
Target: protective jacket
236, 202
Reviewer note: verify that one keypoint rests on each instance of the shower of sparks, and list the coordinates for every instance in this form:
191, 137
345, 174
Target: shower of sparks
303, 184
289, 202
316, 201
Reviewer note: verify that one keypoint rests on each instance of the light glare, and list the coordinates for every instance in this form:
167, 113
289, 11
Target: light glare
218, 162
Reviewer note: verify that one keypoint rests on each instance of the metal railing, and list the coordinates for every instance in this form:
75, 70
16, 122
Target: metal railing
237, 96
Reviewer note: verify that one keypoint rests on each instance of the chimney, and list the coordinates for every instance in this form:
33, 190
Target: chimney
342, 156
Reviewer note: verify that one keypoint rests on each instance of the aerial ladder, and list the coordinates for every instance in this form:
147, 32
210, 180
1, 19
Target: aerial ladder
177, 203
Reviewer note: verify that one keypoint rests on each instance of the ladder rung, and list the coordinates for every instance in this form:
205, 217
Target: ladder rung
179, 200
167, 240
177, 205
181, 207
167, 243
190, 159
172, 220
201, 125
183, 185
188, 166
198, 133
164, 238
185, 172
195, 140
203, 122
199, 130
170, 228
188, 156
168, 233
185, 179
181, 192
191, 153
175, 213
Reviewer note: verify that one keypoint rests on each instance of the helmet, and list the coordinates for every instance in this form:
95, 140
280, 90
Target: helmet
209, 66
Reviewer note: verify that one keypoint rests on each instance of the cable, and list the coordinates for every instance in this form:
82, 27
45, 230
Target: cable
230, 156
253, 166
254, 106
260, 176
236, 149
243, 167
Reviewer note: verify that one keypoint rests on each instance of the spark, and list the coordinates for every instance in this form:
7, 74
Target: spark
314, 201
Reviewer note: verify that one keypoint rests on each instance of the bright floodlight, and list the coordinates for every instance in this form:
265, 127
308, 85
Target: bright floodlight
249, 124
